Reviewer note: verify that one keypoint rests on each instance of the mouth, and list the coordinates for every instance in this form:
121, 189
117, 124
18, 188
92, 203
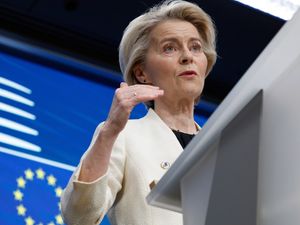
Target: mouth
188, 73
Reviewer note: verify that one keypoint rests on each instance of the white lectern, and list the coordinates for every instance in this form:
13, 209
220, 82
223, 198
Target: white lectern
243, 168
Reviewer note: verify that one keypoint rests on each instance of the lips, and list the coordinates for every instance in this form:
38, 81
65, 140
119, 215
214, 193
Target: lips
188, 73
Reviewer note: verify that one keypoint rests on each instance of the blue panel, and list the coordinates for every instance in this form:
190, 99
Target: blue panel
67, 109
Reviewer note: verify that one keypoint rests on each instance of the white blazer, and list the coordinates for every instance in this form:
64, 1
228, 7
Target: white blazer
141, 154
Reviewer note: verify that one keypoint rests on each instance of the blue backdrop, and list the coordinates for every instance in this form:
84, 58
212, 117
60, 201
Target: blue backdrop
47, 120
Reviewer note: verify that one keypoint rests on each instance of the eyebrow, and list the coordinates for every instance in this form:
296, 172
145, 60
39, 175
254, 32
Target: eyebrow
172, 39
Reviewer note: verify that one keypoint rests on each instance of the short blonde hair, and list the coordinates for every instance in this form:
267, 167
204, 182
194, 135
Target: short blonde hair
135, 40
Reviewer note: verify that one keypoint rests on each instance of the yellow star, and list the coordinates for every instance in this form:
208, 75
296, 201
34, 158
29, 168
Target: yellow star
40, 174
51, 223
21, 182
29, 221
59, 219
29, 174
21, 210
58, 191
18, 195
51, 180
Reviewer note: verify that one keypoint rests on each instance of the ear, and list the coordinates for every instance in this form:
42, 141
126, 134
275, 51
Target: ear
140, 75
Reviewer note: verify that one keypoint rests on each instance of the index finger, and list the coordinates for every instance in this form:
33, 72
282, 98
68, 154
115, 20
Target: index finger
145, 86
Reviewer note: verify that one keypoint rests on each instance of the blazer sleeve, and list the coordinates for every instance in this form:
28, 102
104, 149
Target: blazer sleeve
87, 202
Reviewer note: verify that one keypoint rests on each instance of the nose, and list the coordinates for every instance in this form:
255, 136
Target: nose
186, 56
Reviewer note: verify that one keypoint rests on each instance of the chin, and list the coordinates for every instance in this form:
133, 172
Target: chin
193, 90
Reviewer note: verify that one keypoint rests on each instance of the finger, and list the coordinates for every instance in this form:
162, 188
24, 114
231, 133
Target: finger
135, 92
137, 86
123, 84
140, 89
126, 91
144, 97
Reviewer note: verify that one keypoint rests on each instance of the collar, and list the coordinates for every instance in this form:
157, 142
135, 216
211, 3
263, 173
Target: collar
153, 115
160, 128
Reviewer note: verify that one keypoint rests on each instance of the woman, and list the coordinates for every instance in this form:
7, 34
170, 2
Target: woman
165, 56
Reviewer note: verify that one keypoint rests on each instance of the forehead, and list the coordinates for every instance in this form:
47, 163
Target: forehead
174, 29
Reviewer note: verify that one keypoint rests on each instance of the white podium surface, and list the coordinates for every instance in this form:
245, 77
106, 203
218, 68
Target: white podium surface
244, 166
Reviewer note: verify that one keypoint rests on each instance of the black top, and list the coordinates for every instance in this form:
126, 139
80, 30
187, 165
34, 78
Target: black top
183, 138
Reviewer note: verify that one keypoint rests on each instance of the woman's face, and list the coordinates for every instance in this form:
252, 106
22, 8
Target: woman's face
175, 60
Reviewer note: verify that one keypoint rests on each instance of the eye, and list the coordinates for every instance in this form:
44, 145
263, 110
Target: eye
169, 49
196, 47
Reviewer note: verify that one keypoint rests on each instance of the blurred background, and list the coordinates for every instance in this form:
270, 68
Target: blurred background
58, 72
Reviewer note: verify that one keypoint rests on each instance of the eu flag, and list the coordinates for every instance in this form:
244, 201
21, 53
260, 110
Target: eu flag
30, 190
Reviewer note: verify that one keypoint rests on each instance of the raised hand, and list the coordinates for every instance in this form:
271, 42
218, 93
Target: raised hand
125, 99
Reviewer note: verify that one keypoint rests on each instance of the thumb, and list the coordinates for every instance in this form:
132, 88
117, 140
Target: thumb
123, 84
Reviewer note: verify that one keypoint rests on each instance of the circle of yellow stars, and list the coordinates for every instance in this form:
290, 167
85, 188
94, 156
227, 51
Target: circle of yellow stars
30, 175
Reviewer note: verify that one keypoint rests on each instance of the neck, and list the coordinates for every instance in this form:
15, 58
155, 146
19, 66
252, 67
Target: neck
178, 116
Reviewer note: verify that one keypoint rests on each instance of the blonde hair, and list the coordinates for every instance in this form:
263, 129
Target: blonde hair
136, 37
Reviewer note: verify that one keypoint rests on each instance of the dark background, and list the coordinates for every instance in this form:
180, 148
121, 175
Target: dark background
91, 30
